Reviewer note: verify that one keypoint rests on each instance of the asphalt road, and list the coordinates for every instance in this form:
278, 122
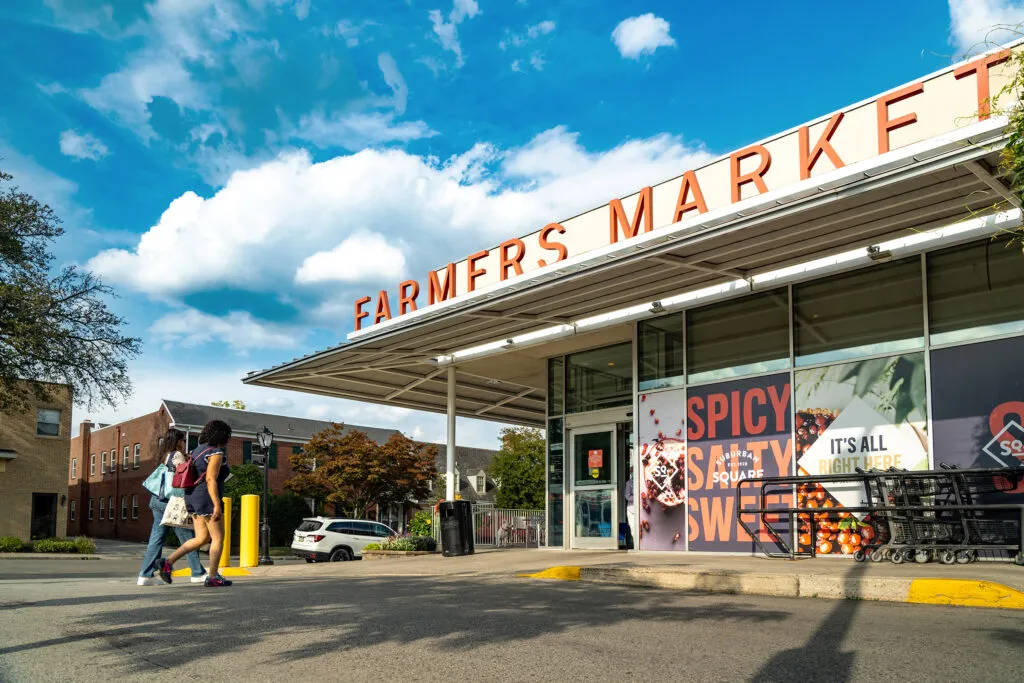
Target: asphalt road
87, 621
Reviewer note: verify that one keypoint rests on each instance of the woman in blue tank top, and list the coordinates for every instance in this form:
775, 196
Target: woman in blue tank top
204, 501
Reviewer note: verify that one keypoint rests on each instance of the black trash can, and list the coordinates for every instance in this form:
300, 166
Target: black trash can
456, 527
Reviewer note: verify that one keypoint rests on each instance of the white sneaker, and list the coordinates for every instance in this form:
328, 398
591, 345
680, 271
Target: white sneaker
149, 581
199, 579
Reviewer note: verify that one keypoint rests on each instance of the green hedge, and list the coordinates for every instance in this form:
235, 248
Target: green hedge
10, 544
54, 545
408, 543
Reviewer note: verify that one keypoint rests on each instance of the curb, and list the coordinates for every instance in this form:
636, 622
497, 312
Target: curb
958, 592
52, 556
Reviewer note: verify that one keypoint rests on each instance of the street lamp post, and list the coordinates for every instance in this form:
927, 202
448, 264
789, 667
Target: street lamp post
266, 440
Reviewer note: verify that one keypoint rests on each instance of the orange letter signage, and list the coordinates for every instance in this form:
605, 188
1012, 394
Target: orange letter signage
689, 186
360, 313
885, 124
435, 291
545, 243
472, 272
756, 176
981, 67
617, 216
383, 307
809, 157
407, 293
513, 261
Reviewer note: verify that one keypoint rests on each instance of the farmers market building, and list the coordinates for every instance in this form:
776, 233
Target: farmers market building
839, 295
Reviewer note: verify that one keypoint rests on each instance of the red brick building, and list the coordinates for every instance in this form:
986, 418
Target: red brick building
108, 463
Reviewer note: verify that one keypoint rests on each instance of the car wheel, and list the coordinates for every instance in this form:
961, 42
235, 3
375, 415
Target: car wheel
310, 560
340, 555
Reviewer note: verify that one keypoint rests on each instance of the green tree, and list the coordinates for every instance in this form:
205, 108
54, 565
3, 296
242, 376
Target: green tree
518, 468
352, 471
237, 405
245, 479
53, 327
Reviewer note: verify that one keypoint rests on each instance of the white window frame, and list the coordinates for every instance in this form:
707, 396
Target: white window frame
92, 464
39, 415
90, 509
135, 506
103, 510
111, 509
136, 456
103, 462
71, 510
124, 460
124, 507
480, 483
74, 468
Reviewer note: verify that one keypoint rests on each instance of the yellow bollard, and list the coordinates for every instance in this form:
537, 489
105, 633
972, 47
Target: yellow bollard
225, 556
249, 530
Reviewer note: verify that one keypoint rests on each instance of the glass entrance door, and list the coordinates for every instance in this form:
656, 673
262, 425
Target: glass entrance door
594, 488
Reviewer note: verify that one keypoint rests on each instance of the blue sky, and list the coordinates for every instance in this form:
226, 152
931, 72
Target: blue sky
241, 170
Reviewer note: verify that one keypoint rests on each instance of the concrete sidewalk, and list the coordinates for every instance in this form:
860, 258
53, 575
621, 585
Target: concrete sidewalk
979, 584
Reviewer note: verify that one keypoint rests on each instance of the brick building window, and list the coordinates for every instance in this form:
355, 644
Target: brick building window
47, 422
103, 510
103, 463
124, 507
90, 505
92, 465
74, 468
71, 510
135, 506
136, 456
124, 459
112, 510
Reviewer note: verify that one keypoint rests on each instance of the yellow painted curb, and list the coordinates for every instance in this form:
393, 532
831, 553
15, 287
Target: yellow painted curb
965, 592
559, 573
224, 571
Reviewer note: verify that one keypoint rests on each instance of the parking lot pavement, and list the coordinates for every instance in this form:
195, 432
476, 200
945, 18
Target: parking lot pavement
75, 621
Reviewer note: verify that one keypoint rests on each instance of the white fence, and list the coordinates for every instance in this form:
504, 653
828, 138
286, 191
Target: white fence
505, 528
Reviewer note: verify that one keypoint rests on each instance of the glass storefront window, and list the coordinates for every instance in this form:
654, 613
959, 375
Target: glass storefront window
872, 311
661, 352
556, 385
594, 514
556, 481
593, 455
741, 337
598, 379
975, 291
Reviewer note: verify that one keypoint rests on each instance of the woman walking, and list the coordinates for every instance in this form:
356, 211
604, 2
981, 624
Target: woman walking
204, 501
171, 447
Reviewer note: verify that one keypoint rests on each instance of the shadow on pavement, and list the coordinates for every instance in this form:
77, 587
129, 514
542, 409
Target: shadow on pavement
171, 626
821, 657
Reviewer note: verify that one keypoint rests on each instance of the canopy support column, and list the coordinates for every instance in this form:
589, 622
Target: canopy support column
450, 469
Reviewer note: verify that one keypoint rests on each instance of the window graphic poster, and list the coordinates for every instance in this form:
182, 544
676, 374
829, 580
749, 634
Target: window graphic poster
740, 429
978, 407
661, 509
866, 414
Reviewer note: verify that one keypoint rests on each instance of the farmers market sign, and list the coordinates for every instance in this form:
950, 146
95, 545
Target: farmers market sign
925, 109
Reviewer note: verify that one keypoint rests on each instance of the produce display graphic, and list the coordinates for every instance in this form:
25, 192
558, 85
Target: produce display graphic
868, 415
661, 510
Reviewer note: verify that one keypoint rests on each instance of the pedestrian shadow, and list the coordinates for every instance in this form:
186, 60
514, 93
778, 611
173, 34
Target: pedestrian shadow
187, 625
821, 657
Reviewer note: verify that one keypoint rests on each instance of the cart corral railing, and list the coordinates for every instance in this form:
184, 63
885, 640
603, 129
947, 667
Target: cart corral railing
500, 527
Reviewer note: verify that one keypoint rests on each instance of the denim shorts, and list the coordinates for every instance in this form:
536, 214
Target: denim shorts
198, 501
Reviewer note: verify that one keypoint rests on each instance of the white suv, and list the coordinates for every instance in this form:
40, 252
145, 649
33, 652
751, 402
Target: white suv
331, 539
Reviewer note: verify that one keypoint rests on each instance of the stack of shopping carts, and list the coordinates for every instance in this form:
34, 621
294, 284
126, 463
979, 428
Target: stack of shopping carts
945, 515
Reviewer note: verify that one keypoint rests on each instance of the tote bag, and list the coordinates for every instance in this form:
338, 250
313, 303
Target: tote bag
154, 483
176, 514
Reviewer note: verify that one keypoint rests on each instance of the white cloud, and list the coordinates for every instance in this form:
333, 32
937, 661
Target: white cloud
362, 256
202, 385
354, 130
393, 77
82, 16
82, 146
641, 35
447, 31
265, 222
238, 329
519, 42
351, 31
978, 25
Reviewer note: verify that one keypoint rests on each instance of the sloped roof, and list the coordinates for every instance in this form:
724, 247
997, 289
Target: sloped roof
246, 422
